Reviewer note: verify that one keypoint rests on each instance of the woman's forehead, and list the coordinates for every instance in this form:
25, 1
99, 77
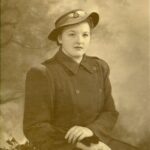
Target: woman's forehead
83, 27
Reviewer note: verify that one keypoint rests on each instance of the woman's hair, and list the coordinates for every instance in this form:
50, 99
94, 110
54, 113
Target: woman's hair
88, 20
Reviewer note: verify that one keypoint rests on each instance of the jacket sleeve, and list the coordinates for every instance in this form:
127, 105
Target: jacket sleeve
106, 119
37, 110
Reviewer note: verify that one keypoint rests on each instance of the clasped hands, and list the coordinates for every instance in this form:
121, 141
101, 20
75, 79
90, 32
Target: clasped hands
78, 133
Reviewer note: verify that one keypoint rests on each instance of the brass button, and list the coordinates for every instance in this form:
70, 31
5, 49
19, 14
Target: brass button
94, 68
75, 15
77, 91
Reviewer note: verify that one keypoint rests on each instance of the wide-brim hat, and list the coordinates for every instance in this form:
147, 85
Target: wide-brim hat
71, 18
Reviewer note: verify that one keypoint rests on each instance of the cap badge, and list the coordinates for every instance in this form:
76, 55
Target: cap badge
76, 15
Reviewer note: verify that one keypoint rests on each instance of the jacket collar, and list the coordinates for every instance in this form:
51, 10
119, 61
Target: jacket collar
71, 64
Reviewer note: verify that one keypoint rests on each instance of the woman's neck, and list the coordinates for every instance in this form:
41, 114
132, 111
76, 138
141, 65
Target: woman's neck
76, 59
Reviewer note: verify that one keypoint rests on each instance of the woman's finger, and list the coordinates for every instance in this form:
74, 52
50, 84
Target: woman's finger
74, 135
81, 137
70, 131
77, 134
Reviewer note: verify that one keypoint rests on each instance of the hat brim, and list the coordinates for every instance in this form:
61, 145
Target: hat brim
94, 17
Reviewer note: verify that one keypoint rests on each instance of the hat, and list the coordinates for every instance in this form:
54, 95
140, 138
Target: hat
71, 18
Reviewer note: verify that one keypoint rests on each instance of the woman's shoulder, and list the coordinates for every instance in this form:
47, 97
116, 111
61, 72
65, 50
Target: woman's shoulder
41, 67
101, 62
37, 69
49, 61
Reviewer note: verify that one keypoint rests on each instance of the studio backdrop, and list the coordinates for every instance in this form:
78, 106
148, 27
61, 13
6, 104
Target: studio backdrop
121, 38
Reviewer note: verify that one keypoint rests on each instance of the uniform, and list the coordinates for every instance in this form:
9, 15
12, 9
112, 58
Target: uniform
61, 93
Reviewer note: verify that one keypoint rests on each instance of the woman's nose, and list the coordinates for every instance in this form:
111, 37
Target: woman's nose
79, 39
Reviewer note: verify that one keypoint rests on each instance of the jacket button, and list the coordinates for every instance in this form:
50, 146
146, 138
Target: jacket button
94, 68
100, 90
77, 91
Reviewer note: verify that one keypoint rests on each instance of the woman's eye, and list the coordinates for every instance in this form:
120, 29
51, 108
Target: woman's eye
85, 35
71, 34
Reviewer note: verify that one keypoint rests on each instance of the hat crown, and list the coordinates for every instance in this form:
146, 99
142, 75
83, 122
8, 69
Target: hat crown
70, 16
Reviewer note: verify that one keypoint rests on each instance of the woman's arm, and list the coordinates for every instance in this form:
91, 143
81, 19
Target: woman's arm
106, 120
37, 113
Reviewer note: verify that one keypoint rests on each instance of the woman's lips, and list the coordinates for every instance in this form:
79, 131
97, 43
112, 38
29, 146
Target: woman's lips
78, 47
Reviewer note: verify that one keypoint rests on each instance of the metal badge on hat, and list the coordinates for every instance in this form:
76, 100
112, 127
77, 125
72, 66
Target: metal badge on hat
76, 15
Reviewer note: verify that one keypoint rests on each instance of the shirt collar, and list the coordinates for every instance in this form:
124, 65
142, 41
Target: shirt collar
71, 64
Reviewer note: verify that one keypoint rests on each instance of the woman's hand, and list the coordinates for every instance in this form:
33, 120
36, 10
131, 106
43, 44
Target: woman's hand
77, 133
99, 146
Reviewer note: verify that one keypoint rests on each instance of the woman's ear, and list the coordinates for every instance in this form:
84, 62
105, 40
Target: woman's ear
59, 39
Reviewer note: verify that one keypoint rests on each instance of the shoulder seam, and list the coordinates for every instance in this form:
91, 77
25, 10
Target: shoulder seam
48, 61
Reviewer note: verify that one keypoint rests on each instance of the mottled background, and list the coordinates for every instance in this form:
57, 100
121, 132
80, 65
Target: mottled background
121, 39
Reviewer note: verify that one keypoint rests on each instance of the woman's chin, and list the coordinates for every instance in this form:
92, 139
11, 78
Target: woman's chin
78, 56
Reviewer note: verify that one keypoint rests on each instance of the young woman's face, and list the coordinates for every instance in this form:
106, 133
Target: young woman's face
75, 39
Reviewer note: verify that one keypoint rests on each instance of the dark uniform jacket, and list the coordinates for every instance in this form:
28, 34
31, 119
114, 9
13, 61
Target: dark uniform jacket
60, 94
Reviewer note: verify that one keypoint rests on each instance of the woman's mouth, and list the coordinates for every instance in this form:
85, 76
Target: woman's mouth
78, 47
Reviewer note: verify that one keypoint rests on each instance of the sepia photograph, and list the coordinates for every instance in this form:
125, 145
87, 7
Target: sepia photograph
74, 75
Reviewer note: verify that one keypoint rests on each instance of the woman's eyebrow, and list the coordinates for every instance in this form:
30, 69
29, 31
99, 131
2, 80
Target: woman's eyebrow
71, 31
86, 32
74, 31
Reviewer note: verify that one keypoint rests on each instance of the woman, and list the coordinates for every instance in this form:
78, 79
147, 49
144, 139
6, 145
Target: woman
68, 101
